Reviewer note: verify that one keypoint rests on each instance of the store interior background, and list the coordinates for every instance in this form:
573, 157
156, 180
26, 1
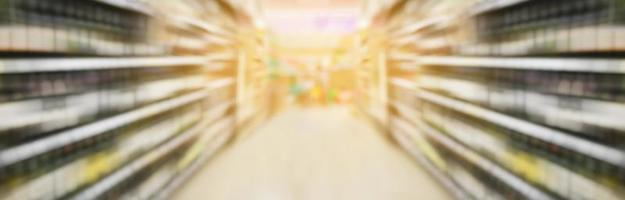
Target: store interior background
312, 99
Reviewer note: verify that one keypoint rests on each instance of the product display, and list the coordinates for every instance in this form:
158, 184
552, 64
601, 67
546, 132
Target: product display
524, 103
548, 27
89, 27
540, 162
52, 101
371, 75
253, 79
495, 99
101, 99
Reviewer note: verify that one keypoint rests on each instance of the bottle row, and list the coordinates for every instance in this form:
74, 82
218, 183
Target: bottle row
543, 14
50, 102
475, 181
79, 27
538, 162
466, 174
151, 176
585, 104
161, 180
511, 123
146, 183
549, 27
23, 86
45, 176
113, 22
78, 125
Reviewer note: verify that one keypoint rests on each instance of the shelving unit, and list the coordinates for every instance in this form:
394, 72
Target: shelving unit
114, 180
493, 5
494, 116
371, 76
132, 5
40, 65
110, 99
252, 76
401, 131
93, 27
525, 27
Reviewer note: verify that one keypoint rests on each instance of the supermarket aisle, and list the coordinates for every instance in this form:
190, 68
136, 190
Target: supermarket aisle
312, 153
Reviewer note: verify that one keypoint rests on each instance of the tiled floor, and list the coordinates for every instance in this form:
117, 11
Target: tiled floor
312, 154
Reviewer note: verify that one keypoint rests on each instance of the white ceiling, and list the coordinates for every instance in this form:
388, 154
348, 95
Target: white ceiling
310, 24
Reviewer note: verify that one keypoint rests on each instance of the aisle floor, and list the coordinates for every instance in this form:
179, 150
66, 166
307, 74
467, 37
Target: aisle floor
311, 154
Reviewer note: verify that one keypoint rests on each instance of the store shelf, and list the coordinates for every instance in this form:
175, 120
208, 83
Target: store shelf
590, 65
208, 27
31, 149
602, 38
404, 40
217, 66
492, 5
403, 83
419, 25
221, 41
590, 112
545, 94
397, 56
518, 184
101, 187
35, 39
14, 66
406, 111
81, 105
406, 141
132, 5
595, 150
218, 141
111, 91
224, 56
